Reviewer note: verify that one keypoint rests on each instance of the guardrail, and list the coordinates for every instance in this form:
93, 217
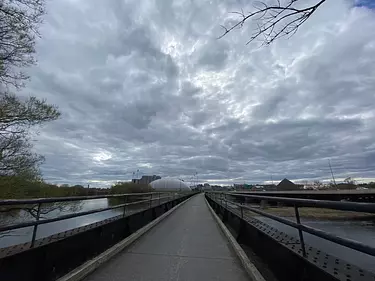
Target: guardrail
297, 203
146, 198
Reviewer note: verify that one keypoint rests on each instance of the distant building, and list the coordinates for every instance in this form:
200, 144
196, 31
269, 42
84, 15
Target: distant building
146, 179
167, 184
265, 187
219, 188
242, 186
286, 185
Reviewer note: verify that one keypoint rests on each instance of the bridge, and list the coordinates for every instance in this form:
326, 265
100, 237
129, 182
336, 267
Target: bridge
182, 236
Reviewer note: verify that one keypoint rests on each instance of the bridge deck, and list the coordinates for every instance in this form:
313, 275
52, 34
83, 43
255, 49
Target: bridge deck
188, 245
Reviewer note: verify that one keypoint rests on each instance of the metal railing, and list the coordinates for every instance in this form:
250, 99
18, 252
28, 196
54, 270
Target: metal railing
146, 198
297, 203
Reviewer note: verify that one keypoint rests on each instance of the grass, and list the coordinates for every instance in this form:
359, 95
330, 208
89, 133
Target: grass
317, 213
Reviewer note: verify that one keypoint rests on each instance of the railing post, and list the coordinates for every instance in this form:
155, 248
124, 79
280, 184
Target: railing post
300, 231
35, 226
151, 200
225, 199
241, 211
159, 198
125, 202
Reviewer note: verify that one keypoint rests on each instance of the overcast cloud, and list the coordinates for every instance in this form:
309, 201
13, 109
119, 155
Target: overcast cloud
146, 85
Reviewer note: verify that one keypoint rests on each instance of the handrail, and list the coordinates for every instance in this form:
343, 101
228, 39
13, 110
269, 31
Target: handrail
348, 206
335, 205
7, 202
320, 233
39, 201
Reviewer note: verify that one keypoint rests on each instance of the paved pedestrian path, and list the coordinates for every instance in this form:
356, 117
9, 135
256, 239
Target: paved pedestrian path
187, 245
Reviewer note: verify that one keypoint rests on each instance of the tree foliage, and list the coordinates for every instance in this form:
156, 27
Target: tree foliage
129, 187
350, 181
16, 118
22, 187
274, 19
318, 184
19, 21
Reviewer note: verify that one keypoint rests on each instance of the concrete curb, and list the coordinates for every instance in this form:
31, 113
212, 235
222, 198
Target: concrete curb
250, 268
85, 269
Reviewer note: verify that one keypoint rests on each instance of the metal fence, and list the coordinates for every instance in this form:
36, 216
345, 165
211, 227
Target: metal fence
129, 200
224, 199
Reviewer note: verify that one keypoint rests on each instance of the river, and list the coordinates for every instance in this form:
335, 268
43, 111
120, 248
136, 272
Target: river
23, 235
357, 230
361, 231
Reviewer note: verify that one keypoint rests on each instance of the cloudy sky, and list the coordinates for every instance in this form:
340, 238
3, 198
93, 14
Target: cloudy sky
145, 85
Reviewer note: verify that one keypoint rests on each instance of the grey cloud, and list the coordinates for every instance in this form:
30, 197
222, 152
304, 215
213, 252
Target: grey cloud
268, 107
213, 55
140, 114
207, 163
146, 85
293, 139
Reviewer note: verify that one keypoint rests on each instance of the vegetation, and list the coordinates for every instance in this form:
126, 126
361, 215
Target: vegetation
19, 21
316, 214
16, 118
367, 185
19, 187
129, 187
16, 187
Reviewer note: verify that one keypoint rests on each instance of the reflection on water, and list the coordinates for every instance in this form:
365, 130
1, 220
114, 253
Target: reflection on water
356, 230
50, 211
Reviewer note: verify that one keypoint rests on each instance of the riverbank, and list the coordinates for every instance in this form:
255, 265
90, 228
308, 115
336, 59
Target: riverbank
317, 214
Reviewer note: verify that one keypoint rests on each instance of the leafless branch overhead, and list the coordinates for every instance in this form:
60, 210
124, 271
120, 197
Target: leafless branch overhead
274, 20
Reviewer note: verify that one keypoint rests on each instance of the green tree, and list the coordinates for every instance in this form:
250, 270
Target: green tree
129, 187
19, 22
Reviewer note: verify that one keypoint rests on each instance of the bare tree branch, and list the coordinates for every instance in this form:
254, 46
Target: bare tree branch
19, 21
274, 21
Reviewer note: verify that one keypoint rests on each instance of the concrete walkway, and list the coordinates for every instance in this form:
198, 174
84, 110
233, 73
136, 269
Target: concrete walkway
187, 245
